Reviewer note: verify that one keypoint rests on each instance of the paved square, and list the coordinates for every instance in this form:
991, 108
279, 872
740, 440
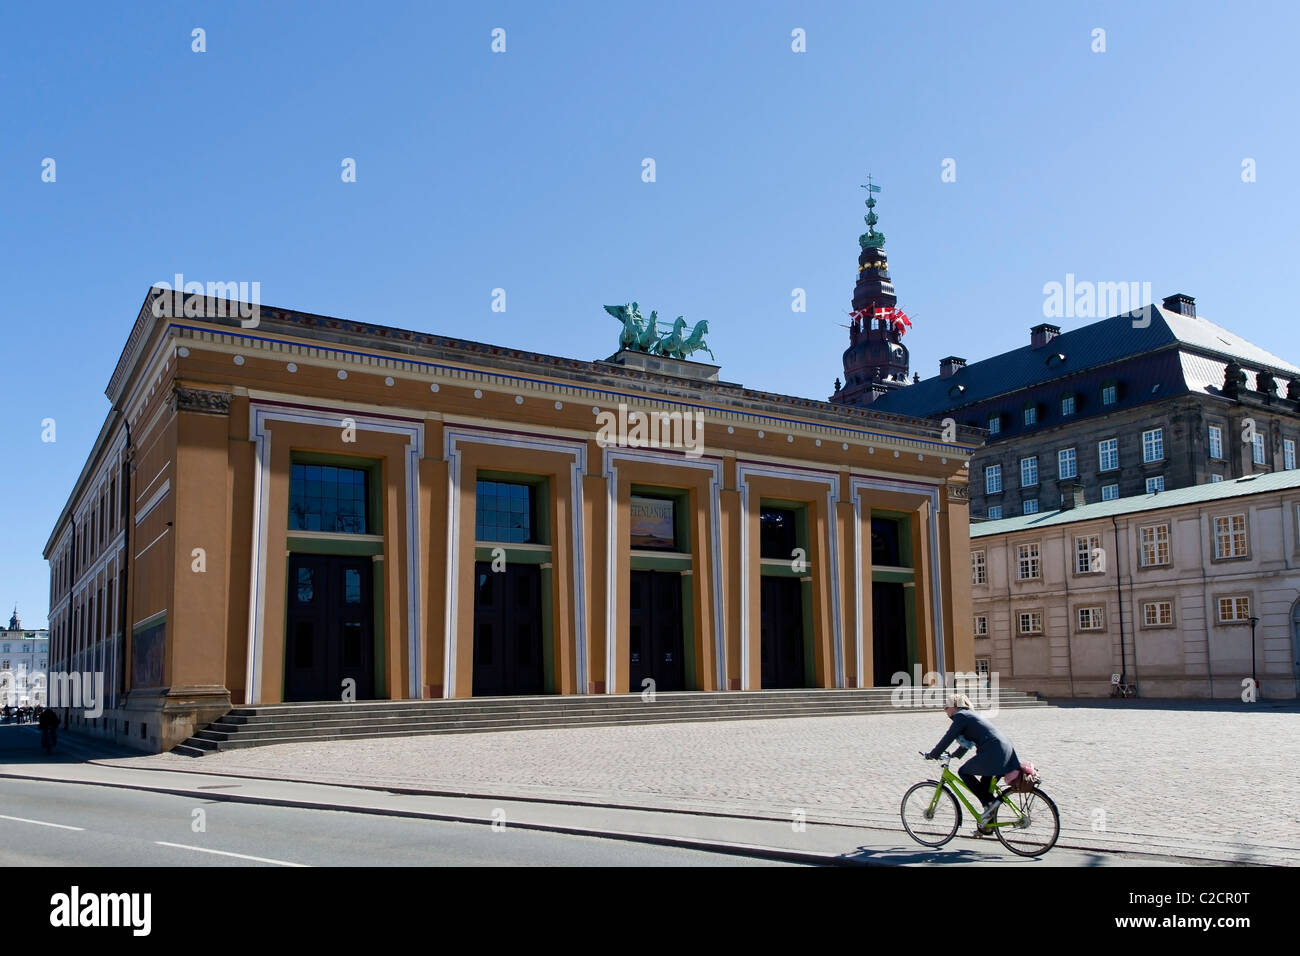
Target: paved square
1216, 783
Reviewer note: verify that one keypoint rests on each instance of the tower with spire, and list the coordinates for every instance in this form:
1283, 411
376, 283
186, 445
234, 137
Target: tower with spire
876, 360
14, 623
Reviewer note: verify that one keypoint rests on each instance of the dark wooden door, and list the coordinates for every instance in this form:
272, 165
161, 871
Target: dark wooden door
888, 631
655, 635
781, 610
507, 630
330, 634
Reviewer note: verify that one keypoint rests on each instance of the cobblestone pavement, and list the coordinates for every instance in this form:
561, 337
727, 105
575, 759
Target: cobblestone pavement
1219, 784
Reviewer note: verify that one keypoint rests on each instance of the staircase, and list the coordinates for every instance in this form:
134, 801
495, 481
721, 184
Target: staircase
310, 722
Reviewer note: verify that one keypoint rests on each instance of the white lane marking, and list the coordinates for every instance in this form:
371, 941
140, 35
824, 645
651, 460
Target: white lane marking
242, 856
40, 823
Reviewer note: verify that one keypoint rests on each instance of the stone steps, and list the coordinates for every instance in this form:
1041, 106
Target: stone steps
308, 722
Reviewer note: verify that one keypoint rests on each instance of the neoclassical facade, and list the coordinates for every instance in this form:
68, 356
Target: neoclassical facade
310, 508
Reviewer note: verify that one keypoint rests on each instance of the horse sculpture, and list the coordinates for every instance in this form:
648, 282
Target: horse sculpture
671, 344
695, 342
650, 334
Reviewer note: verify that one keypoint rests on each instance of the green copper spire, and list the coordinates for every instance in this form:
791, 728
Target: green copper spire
871, 239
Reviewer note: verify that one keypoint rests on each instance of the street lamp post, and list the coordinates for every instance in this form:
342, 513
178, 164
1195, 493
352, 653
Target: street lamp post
1254, 679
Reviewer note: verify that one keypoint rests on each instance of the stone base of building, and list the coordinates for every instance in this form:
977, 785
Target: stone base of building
154, 721
1159, 688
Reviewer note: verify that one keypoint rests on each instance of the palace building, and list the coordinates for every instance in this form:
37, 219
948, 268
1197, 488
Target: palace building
298, 508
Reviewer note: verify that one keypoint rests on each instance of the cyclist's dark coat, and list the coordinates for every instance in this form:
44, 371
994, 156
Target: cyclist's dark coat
994, 753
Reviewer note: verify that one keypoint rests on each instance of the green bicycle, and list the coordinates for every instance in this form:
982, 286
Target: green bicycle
1026, 821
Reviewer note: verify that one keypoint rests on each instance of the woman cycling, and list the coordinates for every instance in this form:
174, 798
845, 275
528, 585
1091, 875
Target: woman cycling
994, 755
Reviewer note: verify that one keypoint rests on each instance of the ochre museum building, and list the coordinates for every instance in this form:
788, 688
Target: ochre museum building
308, 508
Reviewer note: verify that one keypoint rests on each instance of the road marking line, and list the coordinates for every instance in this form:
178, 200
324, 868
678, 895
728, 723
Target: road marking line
242, 856
41, 823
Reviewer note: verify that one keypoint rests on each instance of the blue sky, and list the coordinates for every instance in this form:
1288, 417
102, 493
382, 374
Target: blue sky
522, 170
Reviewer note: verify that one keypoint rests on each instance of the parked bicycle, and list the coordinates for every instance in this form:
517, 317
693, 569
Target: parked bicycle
1026, 820
1119, 688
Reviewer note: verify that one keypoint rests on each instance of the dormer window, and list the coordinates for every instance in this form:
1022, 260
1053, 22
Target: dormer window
1031, 414
1109, 393
1067, 404
995, 424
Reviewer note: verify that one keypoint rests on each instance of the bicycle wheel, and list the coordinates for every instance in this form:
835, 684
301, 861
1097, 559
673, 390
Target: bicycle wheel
1027, 823
925, 827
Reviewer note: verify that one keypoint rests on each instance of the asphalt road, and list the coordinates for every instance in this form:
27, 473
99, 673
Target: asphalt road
56, 824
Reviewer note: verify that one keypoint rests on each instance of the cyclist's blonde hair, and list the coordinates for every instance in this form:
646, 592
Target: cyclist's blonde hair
960, 701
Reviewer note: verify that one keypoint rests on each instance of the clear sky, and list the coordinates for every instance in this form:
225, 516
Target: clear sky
523, 171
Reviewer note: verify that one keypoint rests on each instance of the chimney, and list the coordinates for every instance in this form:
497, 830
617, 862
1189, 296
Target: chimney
1180, 303
1040, 335
1072, 495
949, 366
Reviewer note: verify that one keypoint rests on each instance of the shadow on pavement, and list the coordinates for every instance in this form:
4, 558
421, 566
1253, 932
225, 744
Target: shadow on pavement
20, 744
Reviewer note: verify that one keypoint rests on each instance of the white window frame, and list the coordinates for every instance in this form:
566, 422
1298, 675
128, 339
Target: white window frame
1237, 601
1067, 405
1031, 414
1029, 471
1228, 533
1216, 443
1214, 478
992, 479
1035, 622
1257, 448
994, 513
1102, 448
1029, 556
1155, 483
982, 668
1114, 489
978, 567
1288, 453
981, 625
1094, 617
995, 424
1029, 506
1149, 606
1154, 544
1109, 394
1153, 445
1084, 545
1067, 463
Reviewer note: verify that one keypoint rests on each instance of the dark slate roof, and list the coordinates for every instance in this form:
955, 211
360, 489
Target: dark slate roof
1183, 339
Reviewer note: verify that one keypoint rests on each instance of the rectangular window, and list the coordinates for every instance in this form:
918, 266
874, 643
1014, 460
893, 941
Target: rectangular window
1028, 561
1108, 454
1155, 484
1258, 448
1067, 405
978, 570
1235, 608
1109, 394
995, 512
1028, 472
1067, 463
1153, 445
1109, 492
1155, 545
1089, 618
981, 625
1216, 442
1087, 554
992, 479
1288, 453
327, 498
1157, 614
982, 668
503, 511
1230, 536
1031, 622
995, 424
1031, 414
1214, 478
1030, 506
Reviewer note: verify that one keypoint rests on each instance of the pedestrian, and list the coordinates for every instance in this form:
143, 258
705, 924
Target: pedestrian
994, 755
49, 729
